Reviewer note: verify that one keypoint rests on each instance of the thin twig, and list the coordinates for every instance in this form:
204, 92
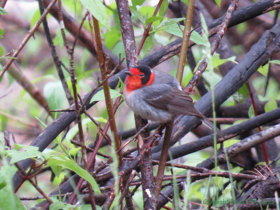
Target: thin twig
30, 34
256, 114
185, 41
55, 57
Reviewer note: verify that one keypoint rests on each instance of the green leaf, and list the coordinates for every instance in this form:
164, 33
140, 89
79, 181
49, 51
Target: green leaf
99, 96
251, 112
54, 93
9, 201
167, 22
264, 69
30, 152
2, 51
112, 37
239, 121
72, 165
74, 130
277, 62
218, 2
270, 105
137, 2
97, 9
58, 39
148, 45
137, 14
243, 93
36, 16
1, 32
163, 8
83, 60
196, 38
2, 11
230, 142
153, 19
217, 61
57, 205
175, 30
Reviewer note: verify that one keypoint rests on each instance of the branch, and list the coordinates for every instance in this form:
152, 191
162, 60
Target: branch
25, 40
243, 145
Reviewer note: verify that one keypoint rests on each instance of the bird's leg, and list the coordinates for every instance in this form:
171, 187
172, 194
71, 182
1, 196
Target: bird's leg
163, 158
158, 133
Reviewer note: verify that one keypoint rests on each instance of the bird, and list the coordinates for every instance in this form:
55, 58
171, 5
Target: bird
158, 96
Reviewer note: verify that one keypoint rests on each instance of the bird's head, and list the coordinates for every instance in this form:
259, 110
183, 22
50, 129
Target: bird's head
138, 77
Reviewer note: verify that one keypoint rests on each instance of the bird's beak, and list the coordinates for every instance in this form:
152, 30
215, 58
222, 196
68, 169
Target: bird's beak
129, 73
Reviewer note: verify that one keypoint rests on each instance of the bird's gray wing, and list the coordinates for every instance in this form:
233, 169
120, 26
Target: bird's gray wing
171, 99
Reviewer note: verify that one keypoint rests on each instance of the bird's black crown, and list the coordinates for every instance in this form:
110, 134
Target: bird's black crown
146, 70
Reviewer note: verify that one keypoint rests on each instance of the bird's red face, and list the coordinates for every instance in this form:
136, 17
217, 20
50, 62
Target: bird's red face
138, 77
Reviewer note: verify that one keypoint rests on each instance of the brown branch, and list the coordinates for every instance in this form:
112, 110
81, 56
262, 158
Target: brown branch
25, 40
33, 183
101, 60
127, 33
33, 91
256, 114
243, 145
185, 41
163, 158
55, 57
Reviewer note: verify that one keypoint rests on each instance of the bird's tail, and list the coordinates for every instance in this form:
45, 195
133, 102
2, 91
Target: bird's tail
210, 125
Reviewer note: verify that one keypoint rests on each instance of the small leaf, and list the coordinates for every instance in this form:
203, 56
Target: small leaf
137, 2
57, 205
30, 152
153, 19
112, 37
163, 8
58, 39
218, 2
148, 45
54, 93
167, 22
36, 16
97, 9
2, 51
277, 62
74, 130
251, 112
196, 38
137, 14
72, 165
239, 121
2, 11
270, 105
243, 93
9, 201
1, 32
264, 69
217, 61
83, 60
99, 96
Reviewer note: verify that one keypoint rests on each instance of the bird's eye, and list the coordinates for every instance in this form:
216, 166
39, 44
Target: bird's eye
141, 75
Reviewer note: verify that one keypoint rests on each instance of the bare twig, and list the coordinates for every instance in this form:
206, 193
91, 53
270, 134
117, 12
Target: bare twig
30, 34
55, 57
185, 41
256, 114
163, 158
